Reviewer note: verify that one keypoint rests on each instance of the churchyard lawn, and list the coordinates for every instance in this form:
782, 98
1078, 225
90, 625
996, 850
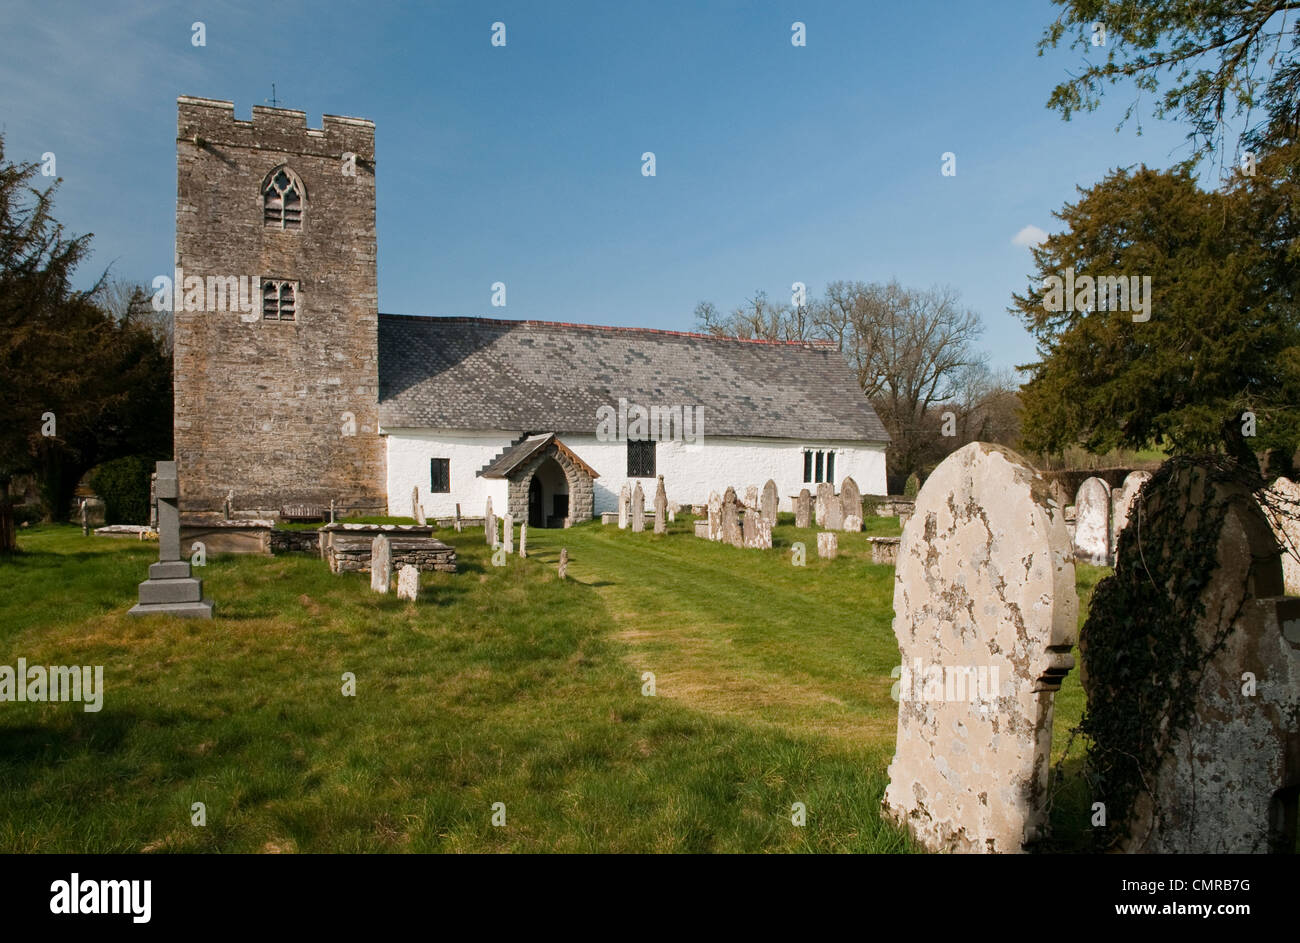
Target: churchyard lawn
501, 685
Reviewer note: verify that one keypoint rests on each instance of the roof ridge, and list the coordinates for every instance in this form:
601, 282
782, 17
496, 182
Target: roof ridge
815, 343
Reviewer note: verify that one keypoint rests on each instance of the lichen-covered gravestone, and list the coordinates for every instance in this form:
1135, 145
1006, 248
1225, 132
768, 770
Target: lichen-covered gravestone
170, 588
381, 564
508, 533
408, 583
768, 502
715, 516
851, 505
803, 509
834, 519
1092, 522
490, 524
661, 507
1196, 760
828, 545
624, 506
563, 568
749, 528
417, 511
1121, 504
751, 497
523, 538
985, 613
731, 532
638, 509
825, 497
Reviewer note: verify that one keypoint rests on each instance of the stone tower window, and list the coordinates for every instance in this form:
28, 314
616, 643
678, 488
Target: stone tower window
279, 300
282, 199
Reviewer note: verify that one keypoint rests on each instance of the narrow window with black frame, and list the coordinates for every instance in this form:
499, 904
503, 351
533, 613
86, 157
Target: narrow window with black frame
640, 458
807, 467
830, 467
439, 475
820, 456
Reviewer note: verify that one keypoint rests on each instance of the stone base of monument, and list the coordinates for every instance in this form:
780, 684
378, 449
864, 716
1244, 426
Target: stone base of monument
171, 590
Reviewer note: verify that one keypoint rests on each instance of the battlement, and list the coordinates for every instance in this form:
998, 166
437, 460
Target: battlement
210, 121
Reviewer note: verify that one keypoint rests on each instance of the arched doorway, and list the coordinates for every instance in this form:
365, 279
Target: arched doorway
548, 493
548, 484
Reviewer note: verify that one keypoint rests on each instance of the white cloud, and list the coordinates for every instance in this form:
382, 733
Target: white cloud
1029, 236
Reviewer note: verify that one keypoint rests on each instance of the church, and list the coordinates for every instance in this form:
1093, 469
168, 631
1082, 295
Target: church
297, 391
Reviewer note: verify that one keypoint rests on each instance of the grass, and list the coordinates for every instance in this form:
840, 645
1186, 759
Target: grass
501, 685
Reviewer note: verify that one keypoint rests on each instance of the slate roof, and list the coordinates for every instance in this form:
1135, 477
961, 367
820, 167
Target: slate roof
481, 373
519, 453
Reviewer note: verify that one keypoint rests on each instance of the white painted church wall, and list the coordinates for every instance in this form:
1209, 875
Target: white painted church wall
690, 471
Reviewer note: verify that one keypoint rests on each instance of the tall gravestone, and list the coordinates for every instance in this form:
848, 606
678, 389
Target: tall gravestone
1092, 522
749, 528
170, 588
825, 496
523, 538
731, 532
638, 509
661, 507
715, 516
834, 518
489, 524
851, 505
803, 509
381, 564
768, 502
417, 510
1121, 504
508, 533
985, 613
624, 506
1226, 775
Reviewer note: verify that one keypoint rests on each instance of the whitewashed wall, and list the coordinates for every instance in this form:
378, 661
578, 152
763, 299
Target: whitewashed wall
690, 472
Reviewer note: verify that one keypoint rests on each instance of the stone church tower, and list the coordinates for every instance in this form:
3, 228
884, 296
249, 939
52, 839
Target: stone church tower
276, 311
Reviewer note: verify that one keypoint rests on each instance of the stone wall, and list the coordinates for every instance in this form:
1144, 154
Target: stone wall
261, 406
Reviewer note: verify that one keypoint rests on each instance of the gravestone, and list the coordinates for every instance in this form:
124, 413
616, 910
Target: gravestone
85, 520
381, 564
228, 509
764, 539
564, 562
638, 509
170, 588
1223, 777
851, 505
985, 613
715, 516
661, 507
1092, 522
731, 532
523, 539
749, 528
834, 519
508, 532
825, 496
1283, 511
828, 545
408, 583
489, 524
751, 497
456, 521
673, 508
769, 501
1121, 504
331, 510
803, 509
417, 511
624, 506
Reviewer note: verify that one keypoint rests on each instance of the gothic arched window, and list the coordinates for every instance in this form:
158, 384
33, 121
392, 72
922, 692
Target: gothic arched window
282, 199
279, 300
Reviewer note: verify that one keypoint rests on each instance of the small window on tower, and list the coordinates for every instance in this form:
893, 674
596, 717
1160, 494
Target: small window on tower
282, 200
279, 300
440, 475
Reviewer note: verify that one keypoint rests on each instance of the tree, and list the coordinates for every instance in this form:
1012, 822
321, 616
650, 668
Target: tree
1224, 59
1222, 336
78, 386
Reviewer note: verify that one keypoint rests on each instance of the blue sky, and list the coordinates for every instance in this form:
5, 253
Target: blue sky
522, 164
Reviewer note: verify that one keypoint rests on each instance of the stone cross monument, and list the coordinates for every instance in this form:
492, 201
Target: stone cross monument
170, 588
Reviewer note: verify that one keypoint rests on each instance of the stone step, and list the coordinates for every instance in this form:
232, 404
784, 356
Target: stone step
171, 591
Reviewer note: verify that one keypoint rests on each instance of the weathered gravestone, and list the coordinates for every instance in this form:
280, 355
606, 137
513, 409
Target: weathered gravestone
828, 545
638, 509
408, 583
624, 506
1092, 522
749, 528
523, 538
803, 509
825, 497
985, 613
381, 564
563, 568
1282, 507
490, 524
851, 505
834, 519
456, 520
417, 510
673, 508
763, 541
731, 532
170, 589
661, 507
768, 502
715, 516
1121, 503
1196, 760
508, 533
